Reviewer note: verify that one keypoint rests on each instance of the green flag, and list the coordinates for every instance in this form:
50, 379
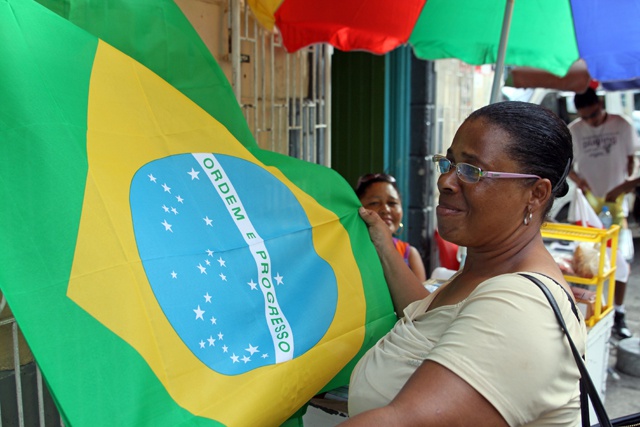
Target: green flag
157, 34
163, 269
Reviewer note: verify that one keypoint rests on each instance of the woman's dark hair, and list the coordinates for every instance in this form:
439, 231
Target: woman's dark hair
366, 180
540, 141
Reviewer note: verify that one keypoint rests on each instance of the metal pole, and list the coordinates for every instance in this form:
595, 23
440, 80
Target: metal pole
502, 50
235, 49
328, 50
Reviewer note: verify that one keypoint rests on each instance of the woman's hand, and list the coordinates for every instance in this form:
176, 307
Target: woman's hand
404, 286
378, 230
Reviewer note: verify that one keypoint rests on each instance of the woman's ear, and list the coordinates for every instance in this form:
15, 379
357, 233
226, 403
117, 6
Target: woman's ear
540, 194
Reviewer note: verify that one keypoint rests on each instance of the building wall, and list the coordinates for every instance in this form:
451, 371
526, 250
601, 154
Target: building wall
460, 89
454, 98
284, 97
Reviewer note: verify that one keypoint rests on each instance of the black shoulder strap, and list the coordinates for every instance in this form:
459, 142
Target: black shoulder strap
574, 308
587, 387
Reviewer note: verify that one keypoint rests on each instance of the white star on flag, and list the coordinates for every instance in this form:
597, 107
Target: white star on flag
225, 349
212, 341
199, 313
167, 189
174, 275
209, 252
201, 344
167, 226
208, 221
194, 174
278, 278
246, 359
234, 358
174, 210
207, 297
254, 285
213, 320
202, 269
165, 208
220, 336
180, 199
222, 262
152, 178
223, 277
251, 349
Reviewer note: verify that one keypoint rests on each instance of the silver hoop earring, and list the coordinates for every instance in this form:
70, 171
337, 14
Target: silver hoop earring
527, 218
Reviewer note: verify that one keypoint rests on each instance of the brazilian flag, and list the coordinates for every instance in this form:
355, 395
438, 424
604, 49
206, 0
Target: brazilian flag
165, 270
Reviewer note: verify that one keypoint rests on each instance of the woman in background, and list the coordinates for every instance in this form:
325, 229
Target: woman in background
378, 192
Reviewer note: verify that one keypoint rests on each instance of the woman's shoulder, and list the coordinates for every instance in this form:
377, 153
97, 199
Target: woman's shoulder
518, 287
518, 277
397, 241
402, 246
521, 286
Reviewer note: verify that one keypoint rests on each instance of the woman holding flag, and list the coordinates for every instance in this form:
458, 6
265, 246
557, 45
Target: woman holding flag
379, 192
485, 348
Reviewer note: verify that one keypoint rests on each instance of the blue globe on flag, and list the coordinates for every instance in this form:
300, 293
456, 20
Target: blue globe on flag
223, 258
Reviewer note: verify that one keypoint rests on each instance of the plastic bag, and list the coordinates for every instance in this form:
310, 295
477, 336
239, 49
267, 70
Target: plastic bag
565, 264
581, 212
625, 244
586, 260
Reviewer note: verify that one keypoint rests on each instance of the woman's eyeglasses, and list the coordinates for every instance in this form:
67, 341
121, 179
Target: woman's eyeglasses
472, 174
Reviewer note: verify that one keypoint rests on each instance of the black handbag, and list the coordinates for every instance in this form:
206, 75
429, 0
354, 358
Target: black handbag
587, 389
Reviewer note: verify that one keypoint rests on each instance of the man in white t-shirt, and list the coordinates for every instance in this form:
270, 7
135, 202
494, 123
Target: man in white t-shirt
603, 149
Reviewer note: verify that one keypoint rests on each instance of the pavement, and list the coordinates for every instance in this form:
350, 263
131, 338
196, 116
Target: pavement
623, 391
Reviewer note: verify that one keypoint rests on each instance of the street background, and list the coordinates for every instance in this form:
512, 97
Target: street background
623, 391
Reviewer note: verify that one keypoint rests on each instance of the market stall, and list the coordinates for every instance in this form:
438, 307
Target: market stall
587, 257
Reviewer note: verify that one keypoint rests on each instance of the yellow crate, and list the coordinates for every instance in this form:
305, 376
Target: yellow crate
592, 235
